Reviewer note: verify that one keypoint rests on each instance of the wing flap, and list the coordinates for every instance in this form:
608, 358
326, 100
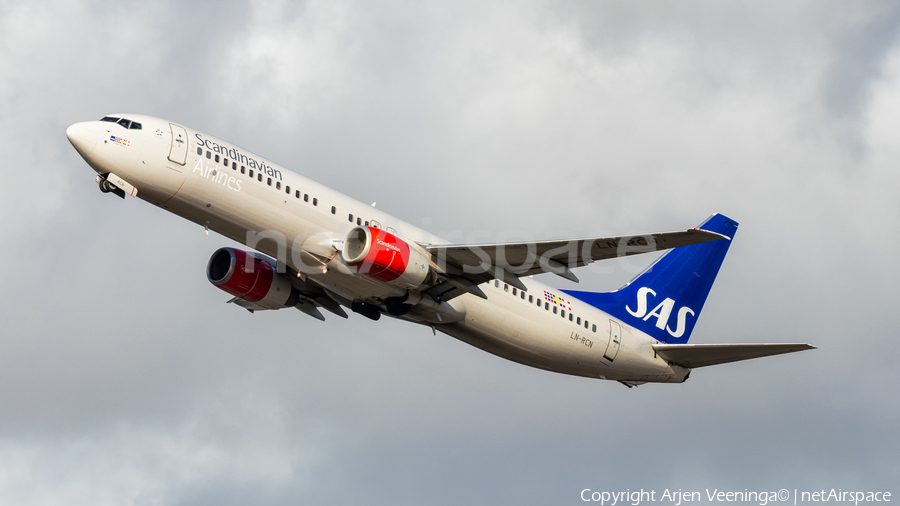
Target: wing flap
702, 355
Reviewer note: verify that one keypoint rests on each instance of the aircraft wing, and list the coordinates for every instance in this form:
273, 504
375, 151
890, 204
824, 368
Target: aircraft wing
702, 355
468, 265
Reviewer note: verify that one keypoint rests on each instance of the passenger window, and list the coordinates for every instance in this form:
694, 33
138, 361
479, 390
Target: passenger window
594, 328
225, 162
578, 320
217, 158
251, 173
277, 184
333, 210
315, 201
505, 287
585, 324
259, 176
497, 283
570, 316
287, 189
233, 165
135, 125
554, 309
208, 155
530, 299
563, 313
199, 150
305, 197
358, 221
514, 292
269, 181
242, 170
547, 306
523, 295
297, 194
350, 216
367, 223
539, 302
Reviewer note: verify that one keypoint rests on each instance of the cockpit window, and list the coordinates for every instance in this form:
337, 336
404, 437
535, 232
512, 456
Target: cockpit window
127, 123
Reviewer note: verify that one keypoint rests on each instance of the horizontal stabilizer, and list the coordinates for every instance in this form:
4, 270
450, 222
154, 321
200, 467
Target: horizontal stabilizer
702, 355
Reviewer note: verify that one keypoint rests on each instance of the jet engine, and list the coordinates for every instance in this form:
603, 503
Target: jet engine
251, 277
385, 257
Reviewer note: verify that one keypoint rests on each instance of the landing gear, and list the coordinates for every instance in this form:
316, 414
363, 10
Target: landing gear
107, 187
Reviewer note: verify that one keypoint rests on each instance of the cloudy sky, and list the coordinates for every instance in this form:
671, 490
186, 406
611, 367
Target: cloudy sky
126, 379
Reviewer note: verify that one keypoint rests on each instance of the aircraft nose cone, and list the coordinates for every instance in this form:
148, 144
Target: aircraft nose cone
83, 137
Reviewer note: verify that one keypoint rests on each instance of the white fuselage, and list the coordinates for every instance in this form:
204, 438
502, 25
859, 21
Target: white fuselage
287, 216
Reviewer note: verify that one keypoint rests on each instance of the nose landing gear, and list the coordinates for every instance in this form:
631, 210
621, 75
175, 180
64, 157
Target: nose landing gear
107, 187
111, 183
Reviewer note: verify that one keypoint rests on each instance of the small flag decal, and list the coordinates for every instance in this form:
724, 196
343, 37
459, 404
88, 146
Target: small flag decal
119, 140
559, 301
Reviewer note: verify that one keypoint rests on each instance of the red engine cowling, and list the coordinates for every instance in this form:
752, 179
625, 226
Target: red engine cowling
385, 257
251, 277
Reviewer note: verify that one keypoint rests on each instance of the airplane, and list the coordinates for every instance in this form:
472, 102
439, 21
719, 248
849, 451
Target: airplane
315, 249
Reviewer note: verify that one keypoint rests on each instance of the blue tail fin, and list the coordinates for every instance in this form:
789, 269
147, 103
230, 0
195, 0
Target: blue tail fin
665, 300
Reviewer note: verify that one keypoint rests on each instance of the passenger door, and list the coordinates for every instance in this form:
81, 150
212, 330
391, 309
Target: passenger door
179, 148
615, 338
